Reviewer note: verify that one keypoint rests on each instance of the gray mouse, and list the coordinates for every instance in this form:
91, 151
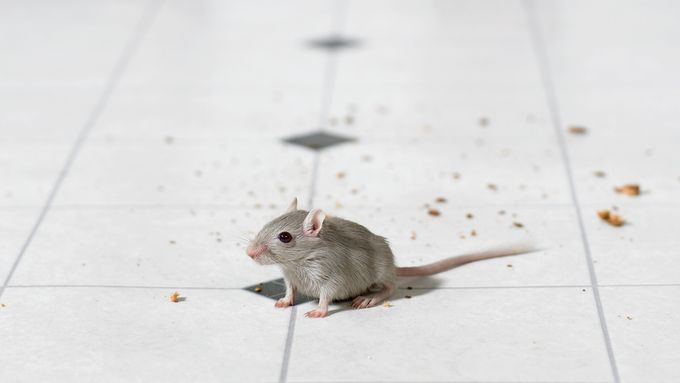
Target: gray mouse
331, 258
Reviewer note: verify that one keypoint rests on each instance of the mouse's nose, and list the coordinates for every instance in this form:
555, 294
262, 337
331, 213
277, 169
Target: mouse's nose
255, 250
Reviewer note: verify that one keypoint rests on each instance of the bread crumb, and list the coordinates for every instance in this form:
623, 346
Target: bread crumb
518, 224
469, 216
456, 175
462, 236
172, 242
629, 189
473, 233
492, 187
574, 129
509, 265
433, 212
341, 175
629, 317
258, 289
387, 304
2, 305
413, 235
174, 297
611, 218
599, 174
440, 200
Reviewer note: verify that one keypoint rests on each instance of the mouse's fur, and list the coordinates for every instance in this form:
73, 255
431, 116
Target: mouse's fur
333, 259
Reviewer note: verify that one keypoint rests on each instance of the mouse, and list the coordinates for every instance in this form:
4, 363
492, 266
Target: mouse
334, 259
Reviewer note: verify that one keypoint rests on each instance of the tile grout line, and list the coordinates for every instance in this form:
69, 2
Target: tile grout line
338, 19
224, 288
145, 21
545, 73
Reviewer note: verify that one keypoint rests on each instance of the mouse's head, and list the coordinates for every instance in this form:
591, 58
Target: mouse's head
287, 238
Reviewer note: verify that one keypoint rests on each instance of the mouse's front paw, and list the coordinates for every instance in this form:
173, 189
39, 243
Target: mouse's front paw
317, 313
283, 302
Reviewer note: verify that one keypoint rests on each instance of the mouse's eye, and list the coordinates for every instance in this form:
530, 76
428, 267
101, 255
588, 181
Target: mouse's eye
285, 237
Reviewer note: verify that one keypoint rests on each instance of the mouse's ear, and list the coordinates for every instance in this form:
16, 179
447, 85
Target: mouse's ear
312, 224
292, 206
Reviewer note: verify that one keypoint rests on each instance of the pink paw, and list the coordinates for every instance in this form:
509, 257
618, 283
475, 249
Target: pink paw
362, 302
317, 313
283, 302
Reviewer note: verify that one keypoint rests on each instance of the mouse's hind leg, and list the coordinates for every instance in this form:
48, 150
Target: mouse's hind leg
370, 300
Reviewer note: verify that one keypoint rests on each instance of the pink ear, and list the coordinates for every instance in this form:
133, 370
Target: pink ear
292, 206
313, 222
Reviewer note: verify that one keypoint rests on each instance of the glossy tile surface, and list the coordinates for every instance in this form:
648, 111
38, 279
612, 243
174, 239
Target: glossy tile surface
143, 144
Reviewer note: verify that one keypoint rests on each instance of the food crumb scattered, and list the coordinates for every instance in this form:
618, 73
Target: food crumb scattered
483, 122
407, 296
473, 233
258, 289
387, 304
518, 224
492, 187
469, 216
440, 200
172, 242
509, 265
574, 129
456, 176
341, 175
629, 189
599, 174
433, 212
462, 236
2, 305
174, 297
413, 235
629, 317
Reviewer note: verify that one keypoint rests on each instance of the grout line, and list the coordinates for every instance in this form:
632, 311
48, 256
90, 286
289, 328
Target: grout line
125, 287
338, 18
145, 21
545, 72
171, 287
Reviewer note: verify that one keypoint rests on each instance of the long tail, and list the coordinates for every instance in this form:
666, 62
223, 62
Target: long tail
450, 263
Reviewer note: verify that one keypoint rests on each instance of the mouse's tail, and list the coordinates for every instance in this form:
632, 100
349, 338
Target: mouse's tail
450, 263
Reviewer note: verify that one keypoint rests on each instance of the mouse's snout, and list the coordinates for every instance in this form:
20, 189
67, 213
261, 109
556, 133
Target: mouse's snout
255, 250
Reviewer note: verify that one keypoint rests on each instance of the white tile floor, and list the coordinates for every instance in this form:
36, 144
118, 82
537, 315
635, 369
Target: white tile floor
141, 142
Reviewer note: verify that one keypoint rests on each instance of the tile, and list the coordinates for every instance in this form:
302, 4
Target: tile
117, 335
15, 226
646, 161
455, 335
137, 113
436, 113
641, 252
172, 171
28, 171
73, 42
481, 45
410, 173
417, 238
147, 246
619, 80
644, 327
50, 113
234, 44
